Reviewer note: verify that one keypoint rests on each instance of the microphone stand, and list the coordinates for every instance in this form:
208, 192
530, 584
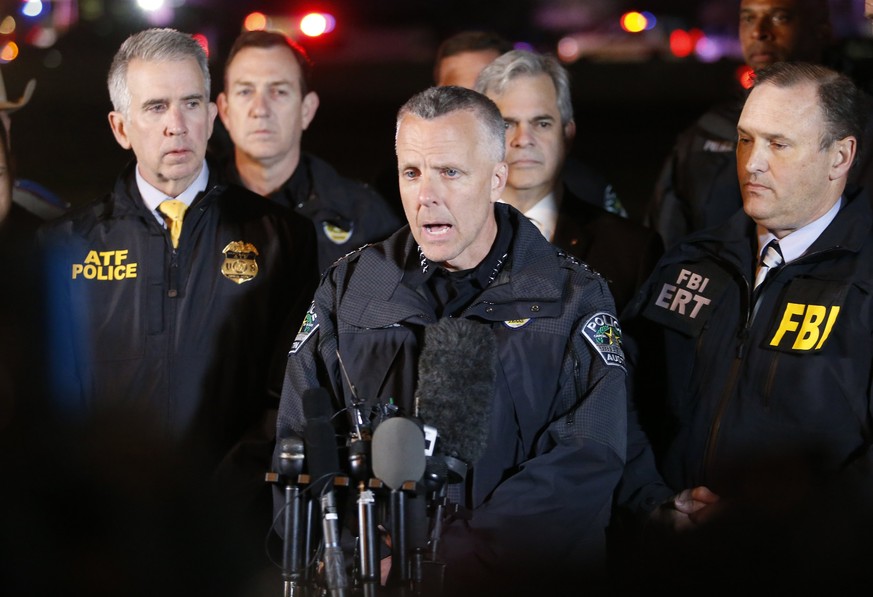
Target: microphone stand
368, 552
291, 561
400, 575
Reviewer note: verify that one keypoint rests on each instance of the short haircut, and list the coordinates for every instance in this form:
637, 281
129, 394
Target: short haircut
440, 101
469, 41
270, 39
152, 45
842, 104
495, 77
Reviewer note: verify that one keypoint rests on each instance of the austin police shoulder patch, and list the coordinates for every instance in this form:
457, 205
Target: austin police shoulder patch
240, 262
336, 234
603, 332
307, 328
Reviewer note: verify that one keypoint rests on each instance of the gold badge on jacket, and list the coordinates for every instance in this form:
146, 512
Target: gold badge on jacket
240, 261
335, 233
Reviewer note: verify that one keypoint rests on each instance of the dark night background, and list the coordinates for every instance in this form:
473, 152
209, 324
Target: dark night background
630, 100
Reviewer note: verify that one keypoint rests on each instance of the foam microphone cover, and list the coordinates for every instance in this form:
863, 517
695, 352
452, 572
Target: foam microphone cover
322, 457
398, 452
456, 380
291, 456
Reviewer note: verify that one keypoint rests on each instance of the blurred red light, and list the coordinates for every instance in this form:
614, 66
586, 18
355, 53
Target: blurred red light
204, 43
315, 24
681, 43
746, 76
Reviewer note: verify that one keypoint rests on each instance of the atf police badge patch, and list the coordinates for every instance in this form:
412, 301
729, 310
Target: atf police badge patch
604, 333
240, 262
335, 233
307, 328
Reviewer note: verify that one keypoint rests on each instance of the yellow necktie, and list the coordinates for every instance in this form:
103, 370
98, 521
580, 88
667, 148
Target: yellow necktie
175, 211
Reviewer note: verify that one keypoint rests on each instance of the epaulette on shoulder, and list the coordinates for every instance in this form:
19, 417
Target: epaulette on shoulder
579, 264
351, 254
571, 259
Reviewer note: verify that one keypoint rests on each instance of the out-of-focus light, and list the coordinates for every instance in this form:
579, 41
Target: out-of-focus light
9, 52
317, 23
150, 5
204, 43
44, 37
707, 50
7, 26
651, 20
53, 59
256, 21
31, 8
680, 43
633, 22
683, 43
90, 10
568, 49
745, 75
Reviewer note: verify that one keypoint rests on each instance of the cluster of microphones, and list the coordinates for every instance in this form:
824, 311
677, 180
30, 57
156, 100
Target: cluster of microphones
403, 476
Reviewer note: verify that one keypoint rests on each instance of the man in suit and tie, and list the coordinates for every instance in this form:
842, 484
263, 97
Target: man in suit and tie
532, 91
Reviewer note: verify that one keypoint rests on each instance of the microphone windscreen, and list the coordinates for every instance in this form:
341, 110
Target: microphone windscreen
291, 456
319, 437
398, 452
456, 380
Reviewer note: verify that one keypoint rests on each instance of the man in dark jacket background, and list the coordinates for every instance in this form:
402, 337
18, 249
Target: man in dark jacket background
766, 356
267, 103
178, 320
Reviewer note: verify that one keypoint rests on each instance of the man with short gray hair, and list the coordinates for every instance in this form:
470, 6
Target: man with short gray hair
176, 296
532, 91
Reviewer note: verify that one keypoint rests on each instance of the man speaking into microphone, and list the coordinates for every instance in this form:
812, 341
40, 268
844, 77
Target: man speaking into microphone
556, 428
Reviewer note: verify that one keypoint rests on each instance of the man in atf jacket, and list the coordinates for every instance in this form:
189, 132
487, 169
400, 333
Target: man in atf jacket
187, 335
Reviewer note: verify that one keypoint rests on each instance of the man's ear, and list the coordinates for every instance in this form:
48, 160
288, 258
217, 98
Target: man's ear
221, 102
212, 111
498, 181
119, 128
308, 109
569, 135
843, 153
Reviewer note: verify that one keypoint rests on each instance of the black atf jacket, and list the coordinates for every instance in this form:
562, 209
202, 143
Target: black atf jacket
188, 337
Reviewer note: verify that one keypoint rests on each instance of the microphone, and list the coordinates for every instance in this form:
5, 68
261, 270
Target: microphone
398, 452
398, 457
321, 453
291, 457
291, 461
456, 379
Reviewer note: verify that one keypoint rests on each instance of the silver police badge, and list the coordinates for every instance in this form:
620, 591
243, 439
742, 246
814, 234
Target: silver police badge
240, 262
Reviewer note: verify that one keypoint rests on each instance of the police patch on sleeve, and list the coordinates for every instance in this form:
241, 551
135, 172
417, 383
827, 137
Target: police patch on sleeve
307, 328
604, 333
684, 296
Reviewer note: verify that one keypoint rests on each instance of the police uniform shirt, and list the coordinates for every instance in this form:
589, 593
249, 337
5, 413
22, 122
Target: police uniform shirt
451, 292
